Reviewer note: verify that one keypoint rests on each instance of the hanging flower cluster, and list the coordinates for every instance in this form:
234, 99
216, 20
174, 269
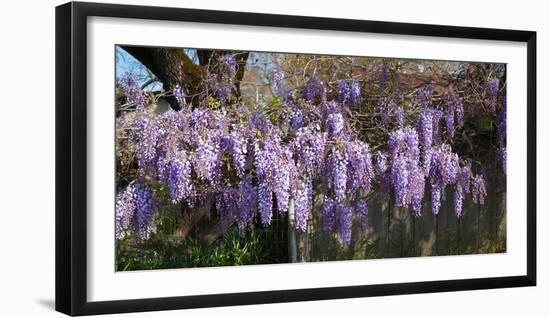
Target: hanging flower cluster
492, 93
349, 93
454, 114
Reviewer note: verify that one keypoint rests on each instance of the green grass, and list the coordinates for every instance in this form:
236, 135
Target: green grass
231, 249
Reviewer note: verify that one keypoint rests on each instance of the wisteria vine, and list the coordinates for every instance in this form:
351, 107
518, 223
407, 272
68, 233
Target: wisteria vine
255, 167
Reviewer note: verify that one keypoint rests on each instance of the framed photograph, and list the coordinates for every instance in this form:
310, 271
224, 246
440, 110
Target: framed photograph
209, 158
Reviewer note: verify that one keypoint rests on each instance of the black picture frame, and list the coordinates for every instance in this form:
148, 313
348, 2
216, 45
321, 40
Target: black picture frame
71, 157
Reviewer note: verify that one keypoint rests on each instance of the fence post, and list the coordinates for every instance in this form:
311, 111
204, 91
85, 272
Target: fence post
292, 251
436, 234
388, 229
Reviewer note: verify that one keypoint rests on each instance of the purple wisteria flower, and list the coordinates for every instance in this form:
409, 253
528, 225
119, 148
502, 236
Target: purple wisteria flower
314, 90
173, 134
254, 159
502, 158
226, 206
454, 114
303, 205
384, 112
179, 94
449, 115
345, 223
328, 214
309, 148
278, 80
399, 116
465, 176
443, 172
274, 171
355, 93
132, 90
284, 173
450, 123
404, 142
297, 119
463, 185
436, 124
339, 172
381, 164
199, 122
208, 159
265, 203
359, 167
126, 204
335, 126
181, 184
261, 123
424, 95
145, 212
400, 180
416, 188
436, 198
349, 93
501, 128
406, 171
247, 204
479, 191
330, 107
425, 136
362, 211
231, 66
458, 202
382, 174
386, 107
288, 98
224, 91
148, 136
492, 93
343, 91
238, 147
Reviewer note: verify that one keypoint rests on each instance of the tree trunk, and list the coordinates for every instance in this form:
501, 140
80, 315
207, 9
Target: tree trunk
174, 68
